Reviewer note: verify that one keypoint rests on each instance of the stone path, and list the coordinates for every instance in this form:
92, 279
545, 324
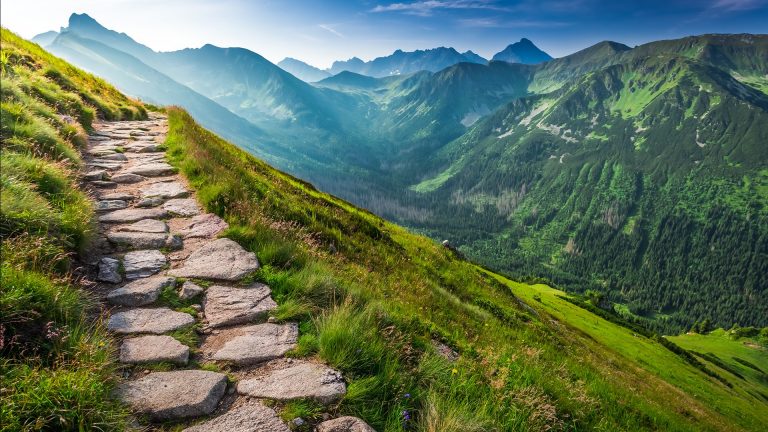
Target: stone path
158, 249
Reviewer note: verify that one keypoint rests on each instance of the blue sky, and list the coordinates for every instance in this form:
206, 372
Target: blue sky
320, 32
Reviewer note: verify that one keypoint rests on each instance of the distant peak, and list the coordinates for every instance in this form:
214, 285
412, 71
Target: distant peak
83, 20
526, 41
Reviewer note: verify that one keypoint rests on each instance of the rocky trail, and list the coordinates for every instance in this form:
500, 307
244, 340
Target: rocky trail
155, 243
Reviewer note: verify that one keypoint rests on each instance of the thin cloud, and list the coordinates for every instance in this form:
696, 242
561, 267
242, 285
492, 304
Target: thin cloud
426, 8
738, 5
501, 23
330, 29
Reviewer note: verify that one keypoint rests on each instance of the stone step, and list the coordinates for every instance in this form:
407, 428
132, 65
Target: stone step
144, 226
165, 190
344, 424
154, 321
132, 215
153, 169
140, 292
287, 380
221, 259
144, 240
183, 207
127, 178
203, 226
225, 306
252, 344
152, 348
143, 263
252, 416
110, 205
174, 395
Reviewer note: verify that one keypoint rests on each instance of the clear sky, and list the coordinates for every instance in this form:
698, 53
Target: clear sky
320, 32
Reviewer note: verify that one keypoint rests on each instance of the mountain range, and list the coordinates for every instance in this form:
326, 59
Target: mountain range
400, 62
635, 172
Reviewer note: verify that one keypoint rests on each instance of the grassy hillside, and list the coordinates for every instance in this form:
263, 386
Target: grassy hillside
741, 355
373, 300
55, 359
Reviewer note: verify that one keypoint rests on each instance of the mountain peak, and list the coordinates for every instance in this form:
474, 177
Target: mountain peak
524, 52
83, 20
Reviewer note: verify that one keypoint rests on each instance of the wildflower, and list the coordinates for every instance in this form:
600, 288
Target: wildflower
406, 415
407, 395
454, 371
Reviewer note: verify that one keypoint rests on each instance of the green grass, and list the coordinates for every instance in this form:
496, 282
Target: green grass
744, 361
374, 306
56, 359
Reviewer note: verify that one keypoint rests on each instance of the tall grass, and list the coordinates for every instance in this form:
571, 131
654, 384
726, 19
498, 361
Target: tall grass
56, 358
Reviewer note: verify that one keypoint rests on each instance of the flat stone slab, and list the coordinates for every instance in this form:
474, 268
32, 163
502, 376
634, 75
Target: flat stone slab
174, 395
95, 175
143, 263
110, 205
149, 202
165, 190
144, 240
252, 416
206, 225
109, 270
145, 226
114, 157
152, 169
127, 178
103, 184
155, 321
225, 306
300, 379
254, 344
123, 196
221, 259
182, 207
148, 349
104, 164
132, 215
140, 292
344, 424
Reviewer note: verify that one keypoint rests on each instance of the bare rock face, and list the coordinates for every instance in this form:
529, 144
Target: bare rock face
109, 270
182, 207
140, 292
300, 379
221, 259
225, 306
143, 263
132, 215
255, 344
174, 395
204, 226
164, 190
155, 321
148, 349
344, 424
252, 416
